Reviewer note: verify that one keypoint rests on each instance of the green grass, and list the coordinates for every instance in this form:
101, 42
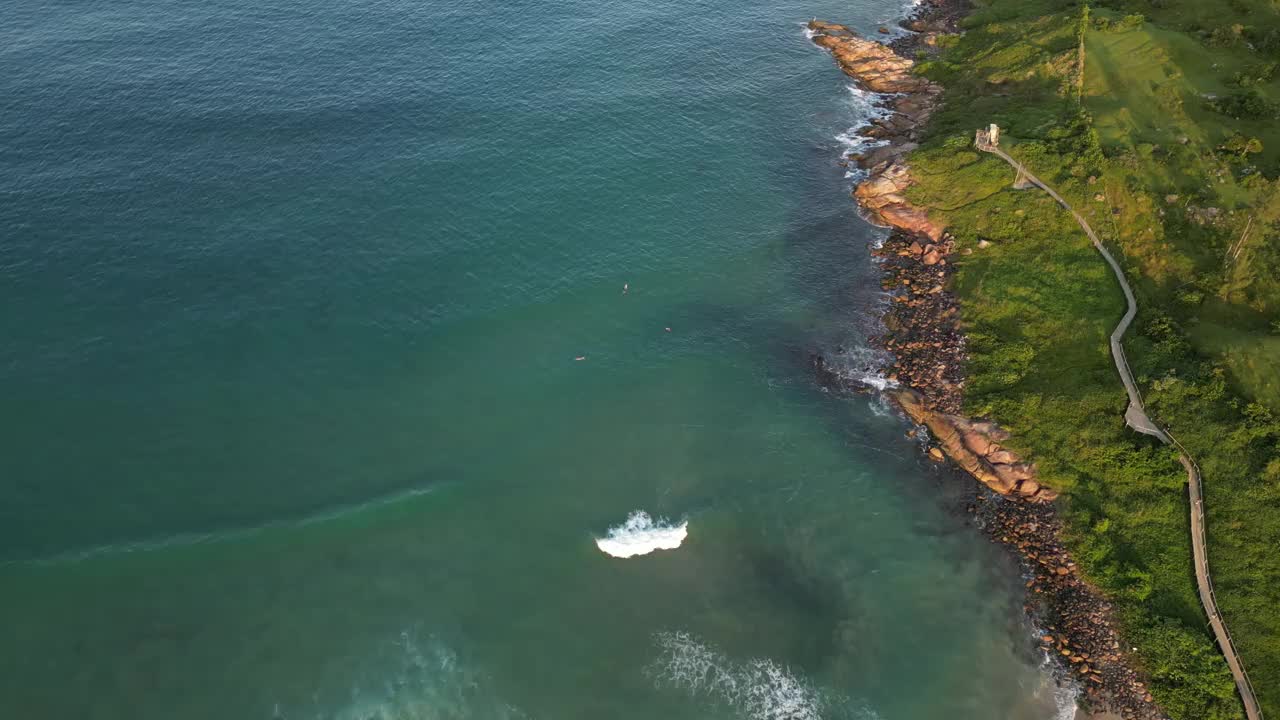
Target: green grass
1136, 146
1253, 359
1144, 90
1038, 306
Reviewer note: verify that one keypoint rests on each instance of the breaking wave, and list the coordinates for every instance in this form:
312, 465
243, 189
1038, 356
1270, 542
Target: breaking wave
757, 689
863, 365
865, 106
1062, 690
874, 380
641, 535
1065, 702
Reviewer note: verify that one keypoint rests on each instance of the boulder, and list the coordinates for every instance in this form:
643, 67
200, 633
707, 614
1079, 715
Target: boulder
978, 442
1029, 488
897, 212
1001, 457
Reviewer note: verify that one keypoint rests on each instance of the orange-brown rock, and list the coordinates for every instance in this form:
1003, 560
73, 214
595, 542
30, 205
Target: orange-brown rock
970, 445
872, 64
878, 68
1002, 456
881, 196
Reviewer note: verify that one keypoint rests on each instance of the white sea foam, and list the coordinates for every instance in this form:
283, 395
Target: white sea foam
861, 365
1063, 691
874, 380
641, 535
757, 689
879, 406
865, 106
413, 676
868, 104
1065, 702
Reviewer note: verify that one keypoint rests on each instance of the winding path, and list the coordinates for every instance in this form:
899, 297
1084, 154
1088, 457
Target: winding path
1136, 417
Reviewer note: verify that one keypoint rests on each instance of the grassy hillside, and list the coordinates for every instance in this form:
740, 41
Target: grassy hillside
1158, 120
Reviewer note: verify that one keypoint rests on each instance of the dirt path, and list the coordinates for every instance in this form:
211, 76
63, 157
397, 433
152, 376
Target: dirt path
1136, 417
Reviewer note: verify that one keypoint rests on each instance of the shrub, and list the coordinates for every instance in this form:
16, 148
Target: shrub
1247, 105
1227, 36
1132, 21
1240, 145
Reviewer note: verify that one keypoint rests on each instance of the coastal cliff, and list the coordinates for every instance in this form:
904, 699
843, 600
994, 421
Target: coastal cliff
924, 336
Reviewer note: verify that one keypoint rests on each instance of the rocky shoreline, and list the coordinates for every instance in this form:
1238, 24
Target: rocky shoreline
1075, 620
927, 373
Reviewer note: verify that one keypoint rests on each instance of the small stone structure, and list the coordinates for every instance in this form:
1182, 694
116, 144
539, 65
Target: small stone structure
987, 137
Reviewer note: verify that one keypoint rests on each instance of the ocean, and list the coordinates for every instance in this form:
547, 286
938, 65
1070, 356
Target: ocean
382, 359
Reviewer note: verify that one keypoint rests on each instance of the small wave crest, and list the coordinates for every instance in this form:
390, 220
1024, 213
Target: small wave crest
1065, 703
1061, 690
880, 407
757, 689
863, 366
865, 106
641, 535
874, 380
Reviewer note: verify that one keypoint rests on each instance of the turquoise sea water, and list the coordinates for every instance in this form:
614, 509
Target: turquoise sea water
292, 295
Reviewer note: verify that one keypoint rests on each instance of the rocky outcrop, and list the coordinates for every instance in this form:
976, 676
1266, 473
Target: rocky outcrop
975, 447
929, 358
873, 65
881, 196
878, 68
922, 321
